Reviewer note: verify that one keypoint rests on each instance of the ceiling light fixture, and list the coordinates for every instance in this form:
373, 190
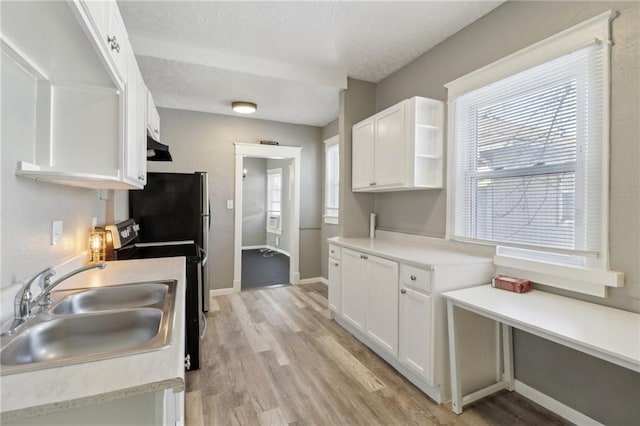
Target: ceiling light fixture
243, 107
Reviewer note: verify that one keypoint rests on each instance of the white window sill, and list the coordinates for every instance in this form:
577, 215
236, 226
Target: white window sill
331, 220
574, 278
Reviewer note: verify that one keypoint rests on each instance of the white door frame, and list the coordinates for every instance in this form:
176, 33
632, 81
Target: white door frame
267, 151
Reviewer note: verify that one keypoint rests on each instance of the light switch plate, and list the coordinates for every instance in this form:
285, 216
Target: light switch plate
229, 204
56, 232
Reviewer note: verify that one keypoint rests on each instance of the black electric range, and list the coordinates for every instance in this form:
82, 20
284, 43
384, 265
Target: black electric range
195, 319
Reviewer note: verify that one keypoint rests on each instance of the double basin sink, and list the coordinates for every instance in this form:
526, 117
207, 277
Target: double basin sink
91, 324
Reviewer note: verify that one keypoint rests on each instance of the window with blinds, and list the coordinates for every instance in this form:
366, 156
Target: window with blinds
527, 167
274, 197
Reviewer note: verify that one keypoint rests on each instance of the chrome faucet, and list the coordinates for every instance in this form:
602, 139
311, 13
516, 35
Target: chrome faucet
44, 298
24, 301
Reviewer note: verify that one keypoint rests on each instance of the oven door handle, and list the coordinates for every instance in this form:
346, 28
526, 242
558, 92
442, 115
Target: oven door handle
204, 330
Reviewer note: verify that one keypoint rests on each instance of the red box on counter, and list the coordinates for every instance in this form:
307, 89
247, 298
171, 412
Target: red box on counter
517, 285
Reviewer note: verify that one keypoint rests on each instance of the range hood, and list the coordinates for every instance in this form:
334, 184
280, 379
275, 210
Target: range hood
157, 151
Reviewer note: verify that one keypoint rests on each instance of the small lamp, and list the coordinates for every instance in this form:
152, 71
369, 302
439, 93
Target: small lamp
97, 245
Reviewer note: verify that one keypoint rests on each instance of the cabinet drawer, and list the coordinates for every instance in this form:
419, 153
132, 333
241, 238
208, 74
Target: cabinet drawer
334, 252
420, 279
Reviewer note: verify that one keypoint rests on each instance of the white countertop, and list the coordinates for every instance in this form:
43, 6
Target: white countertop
49, 389
610, 333
426, 252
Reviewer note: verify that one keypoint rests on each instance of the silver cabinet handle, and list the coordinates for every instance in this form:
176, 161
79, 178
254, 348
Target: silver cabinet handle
336, 264
332, 251
372, 183
141, 178
187, 362
413, 277
113, 42
403, 291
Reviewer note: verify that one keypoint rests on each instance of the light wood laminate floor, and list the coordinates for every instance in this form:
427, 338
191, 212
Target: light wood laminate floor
271, 357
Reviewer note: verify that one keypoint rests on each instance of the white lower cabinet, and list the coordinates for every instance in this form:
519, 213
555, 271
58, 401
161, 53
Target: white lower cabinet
394, 306
416, 323
354, 288
370, 297
382, 303
335, 283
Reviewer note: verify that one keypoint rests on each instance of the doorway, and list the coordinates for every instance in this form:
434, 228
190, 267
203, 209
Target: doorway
280, 220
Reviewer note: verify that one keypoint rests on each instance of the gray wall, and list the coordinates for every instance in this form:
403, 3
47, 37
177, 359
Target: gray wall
510, 27
28, 207
284, 240
327, 230
201, 141
357, 102
254, 200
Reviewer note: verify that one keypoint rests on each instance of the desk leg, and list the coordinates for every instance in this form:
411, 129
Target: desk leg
507, 356
456, 385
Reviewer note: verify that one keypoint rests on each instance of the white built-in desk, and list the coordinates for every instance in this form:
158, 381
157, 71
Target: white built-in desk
607, 333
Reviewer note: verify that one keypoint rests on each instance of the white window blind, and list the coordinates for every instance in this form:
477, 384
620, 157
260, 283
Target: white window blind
332, 181
274, 197
528, 153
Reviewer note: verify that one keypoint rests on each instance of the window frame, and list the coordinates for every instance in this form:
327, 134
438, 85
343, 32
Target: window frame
594, 276
331, 182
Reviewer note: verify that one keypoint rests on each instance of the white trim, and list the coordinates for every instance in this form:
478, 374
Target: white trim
334, 140
221, 291
554, 405
254, 247
587, 32
268, 151
331, 220
313, 281
574, 278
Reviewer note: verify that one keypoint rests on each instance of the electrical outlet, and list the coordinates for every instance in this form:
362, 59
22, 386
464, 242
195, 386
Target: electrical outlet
56, 232
94, 222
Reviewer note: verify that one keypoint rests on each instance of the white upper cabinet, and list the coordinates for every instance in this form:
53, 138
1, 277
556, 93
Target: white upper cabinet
135, 164
76, 55
153, 118
399, 148
117, 40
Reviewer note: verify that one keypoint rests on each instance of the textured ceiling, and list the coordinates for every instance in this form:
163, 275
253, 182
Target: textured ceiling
292, 58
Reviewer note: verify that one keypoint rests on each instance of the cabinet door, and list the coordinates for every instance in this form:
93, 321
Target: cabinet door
382, 306
131, 136
389, 146
153, 119
97, 10
141, 127
362, 155
354, 288
117, 39
334, 285
415, 333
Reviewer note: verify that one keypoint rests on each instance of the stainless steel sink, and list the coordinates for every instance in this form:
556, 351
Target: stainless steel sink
92, 324
113, 297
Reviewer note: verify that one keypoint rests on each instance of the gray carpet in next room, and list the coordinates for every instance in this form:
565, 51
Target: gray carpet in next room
260, 271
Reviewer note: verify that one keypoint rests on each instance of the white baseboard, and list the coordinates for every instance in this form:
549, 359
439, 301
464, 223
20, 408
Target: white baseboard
253, 247
221, 291
313, 280
554, 405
